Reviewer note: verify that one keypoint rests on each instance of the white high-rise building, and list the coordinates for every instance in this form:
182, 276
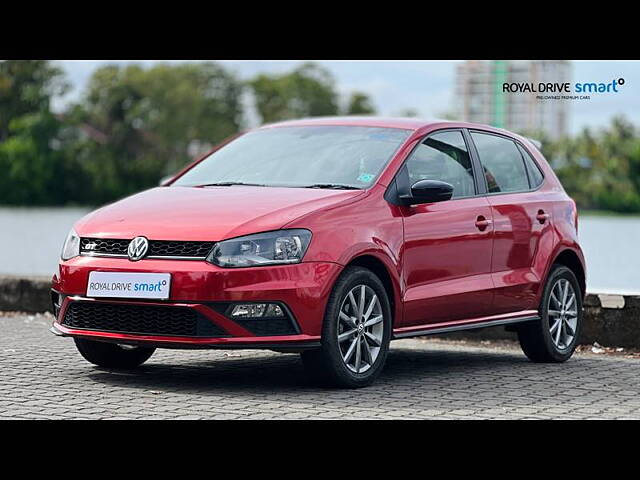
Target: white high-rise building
480, 97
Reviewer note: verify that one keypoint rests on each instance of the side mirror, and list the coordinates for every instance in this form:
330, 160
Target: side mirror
429, 191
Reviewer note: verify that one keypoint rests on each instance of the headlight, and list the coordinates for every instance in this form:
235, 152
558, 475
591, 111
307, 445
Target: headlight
71, 247
271, 248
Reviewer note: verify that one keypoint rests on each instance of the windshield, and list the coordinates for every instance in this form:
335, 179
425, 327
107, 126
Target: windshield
311, 156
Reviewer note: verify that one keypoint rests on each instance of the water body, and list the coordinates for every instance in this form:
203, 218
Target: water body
31, 240
611, 246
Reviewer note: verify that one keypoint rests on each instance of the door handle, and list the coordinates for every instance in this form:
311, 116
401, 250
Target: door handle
482, 223
541, 216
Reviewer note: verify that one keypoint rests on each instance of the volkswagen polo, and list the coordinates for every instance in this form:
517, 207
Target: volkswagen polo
329, 238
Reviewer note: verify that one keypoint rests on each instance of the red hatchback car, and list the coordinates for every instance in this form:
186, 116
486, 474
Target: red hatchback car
331, 237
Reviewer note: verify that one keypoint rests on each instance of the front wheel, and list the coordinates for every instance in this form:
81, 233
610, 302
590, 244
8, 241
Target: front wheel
112, 355
555, 336
355, 334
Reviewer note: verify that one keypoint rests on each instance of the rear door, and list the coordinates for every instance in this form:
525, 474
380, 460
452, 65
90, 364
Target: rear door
522, 219
447, 248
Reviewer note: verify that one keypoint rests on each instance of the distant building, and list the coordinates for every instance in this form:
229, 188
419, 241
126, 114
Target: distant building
479, 95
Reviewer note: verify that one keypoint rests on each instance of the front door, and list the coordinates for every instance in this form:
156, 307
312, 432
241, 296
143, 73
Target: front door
447, 245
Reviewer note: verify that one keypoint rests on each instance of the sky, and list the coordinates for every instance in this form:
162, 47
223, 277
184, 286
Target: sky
425, 86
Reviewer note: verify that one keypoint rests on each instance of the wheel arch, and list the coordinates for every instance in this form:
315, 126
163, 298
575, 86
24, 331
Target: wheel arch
377, 266
572, 261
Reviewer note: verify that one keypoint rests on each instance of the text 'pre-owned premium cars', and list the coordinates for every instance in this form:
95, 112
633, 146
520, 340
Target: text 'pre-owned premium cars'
330, 237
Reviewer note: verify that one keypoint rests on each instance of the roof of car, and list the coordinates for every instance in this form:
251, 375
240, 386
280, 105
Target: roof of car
372, 121
388, 122
407, 123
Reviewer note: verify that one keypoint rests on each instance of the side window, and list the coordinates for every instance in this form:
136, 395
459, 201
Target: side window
535, 175
502, 163
443, 156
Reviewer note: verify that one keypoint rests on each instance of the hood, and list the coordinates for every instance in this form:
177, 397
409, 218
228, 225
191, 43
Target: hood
206, 214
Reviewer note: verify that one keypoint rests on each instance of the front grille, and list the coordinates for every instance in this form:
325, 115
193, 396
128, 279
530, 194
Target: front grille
163, 248
140, 319
109, 246
157, 248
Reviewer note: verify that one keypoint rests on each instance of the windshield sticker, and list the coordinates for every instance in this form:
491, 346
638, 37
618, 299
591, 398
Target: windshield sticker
366, 177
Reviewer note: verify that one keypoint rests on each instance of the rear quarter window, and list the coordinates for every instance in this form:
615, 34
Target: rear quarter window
535, 175
502, 163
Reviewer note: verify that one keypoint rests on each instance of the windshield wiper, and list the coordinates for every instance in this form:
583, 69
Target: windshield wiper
229, 184
335, 186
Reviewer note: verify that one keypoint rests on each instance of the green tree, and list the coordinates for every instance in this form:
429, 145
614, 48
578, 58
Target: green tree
307, 91
360, 104
137, 125
29, 164
600, 170
26, 87
31, 153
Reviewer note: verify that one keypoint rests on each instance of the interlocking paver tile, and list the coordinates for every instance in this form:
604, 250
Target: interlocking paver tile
42, 376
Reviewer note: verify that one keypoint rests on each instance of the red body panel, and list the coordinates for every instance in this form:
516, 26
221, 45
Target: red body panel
443, 270
211, 213
519, 241
447, 261
303, 287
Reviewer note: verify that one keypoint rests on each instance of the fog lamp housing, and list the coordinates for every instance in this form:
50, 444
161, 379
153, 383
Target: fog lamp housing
256, 310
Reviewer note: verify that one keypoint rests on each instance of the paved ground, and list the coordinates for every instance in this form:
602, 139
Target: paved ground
42, 376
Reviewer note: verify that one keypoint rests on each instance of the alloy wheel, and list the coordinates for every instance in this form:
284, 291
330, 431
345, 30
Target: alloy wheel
360, 328
563, 313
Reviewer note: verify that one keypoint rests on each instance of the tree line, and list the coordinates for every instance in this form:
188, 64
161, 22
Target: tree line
133, 125
599, 169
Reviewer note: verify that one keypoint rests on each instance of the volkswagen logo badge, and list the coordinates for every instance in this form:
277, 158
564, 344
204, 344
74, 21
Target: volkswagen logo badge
138, 248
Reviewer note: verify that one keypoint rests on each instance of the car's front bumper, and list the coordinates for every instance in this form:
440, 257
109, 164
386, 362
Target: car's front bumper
202, 291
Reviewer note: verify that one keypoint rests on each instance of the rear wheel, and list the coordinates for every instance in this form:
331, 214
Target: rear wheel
112, 355
356, 332
555, 336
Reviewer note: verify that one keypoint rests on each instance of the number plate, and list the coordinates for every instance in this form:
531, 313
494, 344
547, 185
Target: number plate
129, 285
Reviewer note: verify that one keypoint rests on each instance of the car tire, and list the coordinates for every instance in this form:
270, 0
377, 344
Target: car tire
553, 339
350, 329
112, 355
